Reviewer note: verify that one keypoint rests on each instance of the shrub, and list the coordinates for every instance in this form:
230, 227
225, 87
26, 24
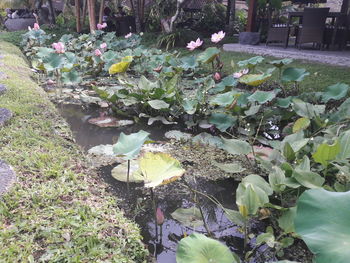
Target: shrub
212, 18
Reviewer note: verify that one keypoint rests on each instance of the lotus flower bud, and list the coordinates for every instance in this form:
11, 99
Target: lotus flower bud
160, 216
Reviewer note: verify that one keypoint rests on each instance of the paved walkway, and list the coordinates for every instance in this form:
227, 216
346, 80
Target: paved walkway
336, 58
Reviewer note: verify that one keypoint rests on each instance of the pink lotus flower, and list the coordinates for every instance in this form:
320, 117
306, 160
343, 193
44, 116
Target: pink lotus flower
217, 37
103, 46
101, 26
59, 47
128, 35
97, 52
36, 26
160, 216
217, 76
194, 44
240, 73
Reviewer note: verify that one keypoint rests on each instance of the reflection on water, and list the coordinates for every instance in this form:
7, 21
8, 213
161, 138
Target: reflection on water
170, 197
88, 135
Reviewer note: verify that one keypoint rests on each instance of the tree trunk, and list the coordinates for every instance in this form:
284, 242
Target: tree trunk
102, 6
52, 12
136, 5
85, 7
92, 17
168, 23
77, 15
232, 17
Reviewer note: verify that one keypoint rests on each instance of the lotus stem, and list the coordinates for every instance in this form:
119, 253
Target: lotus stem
154, 212
245, 235
128, 179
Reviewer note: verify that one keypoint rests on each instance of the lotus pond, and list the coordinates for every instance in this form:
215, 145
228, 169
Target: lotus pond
236, 168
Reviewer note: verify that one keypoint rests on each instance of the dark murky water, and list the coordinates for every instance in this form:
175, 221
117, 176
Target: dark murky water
169, 199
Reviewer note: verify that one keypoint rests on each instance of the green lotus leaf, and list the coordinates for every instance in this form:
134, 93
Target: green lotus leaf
342, 113
189, 62
222, 121
208, 55
190, 217
71, 77
262, 96
294, 74
223, 99
344, 140
326, 153
54, 61
286, 220
281, 62
190, 106
158, 104
122, 66
234, 146
198, 248
120, 172
233, 167
159, 168
322, 220
308, 179
335, 92
284, 102
129, 146
250, 62
206, 138
301, 124
254, 80
308, 110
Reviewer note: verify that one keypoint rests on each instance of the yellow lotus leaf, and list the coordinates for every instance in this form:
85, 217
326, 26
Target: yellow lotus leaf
254, 79
159, 168
122, 66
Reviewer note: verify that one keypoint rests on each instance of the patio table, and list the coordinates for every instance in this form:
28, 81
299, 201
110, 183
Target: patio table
300, 14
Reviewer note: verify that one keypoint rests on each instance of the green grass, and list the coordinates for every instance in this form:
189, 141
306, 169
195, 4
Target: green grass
15, 38
321, 75
58, 211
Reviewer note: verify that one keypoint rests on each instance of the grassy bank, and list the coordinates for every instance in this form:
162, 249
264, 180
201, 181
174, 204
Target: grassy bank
58, 211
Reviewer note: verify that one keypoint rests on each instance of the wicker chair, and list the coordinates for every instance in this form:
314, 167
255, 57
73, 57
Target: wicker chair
313, 26
278, 33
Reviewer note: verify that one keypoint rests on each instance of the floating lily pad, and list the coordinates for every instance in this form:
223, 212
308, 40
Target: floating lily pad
103, 149
159, 168
5, 116
207, 139
198, 248
190, 217
120, 172
178, 135
7, 177
106, 121
151, 120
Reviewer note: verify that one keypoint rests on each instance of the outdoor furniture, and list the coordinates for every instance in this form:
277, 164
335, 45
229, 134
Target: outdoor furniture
278, 32
313, 26
338, 33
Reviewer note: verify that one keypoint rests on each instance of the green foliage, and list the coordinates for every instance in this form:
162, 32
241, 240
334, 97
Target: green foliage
159, 168
212, 18
198, 248
129, 146
322, 221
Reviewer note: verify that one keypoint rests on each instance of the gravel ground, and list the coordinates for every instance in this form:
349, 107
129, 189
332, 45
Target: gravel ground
336, 58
